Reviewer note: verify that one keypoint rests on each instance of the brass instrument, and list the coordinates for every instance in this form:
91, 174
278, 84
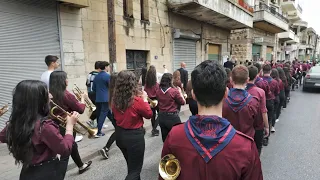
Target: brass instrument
153, 103
92, 132
169, 167
77, 92
4, 109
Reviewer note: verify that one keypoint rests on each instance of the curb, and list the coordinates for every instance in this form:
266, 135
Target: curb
90, 156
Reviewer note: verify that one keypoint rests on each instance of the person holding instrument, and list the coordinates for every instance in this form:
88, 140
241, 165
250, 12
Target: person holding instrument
62, 97
129, 107
32, 137
151, 87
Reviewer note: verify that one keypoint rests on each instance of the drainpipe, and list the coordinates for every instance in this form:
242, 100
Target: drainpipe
112, 36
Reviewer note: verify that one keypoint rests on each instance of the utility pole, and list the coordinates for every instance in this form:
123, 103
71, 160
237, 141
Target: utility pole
112, 35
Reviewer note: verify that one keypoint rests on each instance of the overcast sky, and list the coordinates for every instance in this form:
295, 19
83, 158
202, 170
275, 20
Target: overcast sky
310, 13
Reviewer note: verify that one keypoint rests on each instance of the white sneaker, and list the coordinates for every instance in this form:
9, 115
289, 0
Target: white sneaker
277, 120
78, 138
273, 129
105, 126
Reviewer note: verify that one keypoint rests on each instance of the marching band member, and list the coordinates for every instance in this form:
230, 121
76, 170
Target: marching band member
129, 108
241, 108
66, 100
104, 151
193, 107
274, 89
33, 138
261, 126
207, 146
151, 87
169, 99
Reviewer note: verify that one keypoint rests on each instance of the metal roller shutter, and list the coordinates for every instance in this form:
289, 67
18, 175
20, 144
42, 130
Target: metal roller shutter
28, 32
269, 53
184, 50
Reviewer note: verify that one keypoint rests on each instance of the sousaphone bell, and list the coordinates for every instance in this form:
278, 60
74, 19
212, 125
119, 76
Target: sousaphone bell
169, 167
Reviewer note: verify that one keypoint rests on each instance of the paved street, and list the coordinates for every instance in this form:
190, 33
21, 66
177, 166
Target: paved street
293, 152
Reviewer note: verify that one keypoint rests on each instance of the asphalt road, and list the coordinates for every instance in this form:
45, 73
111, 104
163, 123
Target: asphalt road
293, 152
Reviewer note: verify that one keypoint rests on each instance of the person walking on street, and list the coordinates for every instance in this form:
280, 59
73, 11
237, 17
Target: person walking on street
101, 88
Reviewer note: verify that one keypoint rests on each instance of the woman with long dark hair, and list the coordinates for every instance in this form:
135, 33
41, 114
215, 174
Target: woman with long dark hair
32, 137
62, 97
275, 75
282, 95
104, 151
151, 87
129, 107
169, 99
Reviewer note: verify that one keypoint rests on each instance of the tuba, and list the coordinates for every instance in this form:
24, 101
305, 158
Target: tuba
169, 167
77, 92
4, 109
91, 132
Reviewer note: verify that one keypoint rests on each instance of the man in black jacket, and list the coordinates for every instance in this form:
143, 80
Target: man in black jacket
183, 75
229, 64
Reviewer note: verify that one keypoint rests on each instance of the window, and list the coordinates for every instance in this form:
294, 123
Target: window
128, 8
136, 59
144, 8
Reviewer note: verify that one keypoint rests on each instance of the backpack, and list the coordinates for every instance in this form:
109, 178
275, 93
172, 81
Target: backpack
90, 79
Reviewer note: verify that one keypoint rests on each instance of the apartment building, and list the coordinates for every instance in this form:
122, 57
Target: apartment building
260, 41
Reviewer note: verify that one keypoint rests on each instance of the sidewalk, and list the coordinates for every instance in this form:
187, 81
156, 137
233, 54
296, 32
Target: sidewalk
88, 149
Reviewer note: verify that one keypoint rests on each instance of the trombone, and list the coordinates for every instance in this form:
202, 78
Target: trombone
169, 167
4, 109
92, 132
77, 92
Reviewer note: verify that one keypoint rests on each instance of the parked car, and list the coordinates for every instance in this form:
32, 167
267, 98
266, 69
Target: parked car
312, 79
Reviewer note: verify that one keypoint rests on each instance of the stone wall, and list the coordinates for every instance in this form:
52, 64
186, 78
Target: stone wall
151, 35
241, 40
73, 60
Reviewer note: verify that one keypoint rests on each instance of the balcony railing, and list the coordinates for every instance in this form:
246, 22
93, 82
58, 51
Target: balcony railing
264, 7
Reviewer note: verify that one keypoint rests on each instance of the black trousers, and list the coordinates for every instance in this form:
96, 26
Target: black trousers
193, 106
112, 138
74, 153
48, 170
166, 122
282, 100
154, 120
276, 106
132, 146
258, 139
270, 108
92, 97
287, 95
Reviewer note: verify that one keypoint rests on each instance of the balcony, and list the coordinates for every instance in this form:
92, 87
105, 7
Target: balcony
290, 5
76, 3
295, 40
228, 14
286, 36
267, 19
302, 24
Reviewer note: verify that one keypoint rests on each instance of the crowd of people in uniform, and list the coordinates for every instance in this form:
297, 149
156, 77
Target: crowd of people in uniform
234, 110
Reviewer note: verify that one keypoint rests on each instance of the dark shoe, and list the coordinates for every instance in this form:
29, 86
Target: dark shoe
104, 152
265, 142
100, 135
155, 133
85, 167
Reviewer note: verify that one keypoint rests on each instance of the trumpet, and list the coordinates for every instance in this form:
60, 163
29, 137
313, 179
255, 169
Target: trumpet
4, 109
77, 92
91, 132
153, 103
169, 167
